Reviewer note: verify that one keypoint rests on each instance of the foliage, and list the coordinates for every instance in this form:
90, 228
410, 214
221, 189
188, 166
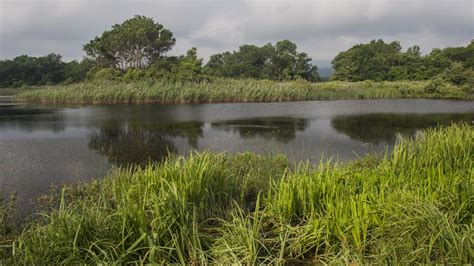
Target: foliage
380, 61
26, 70
366, 61
133, 74
230, 90
135, 51
410, 206
279, 62
75, 71
48, 69
464, 55
458, 75
136, 42
7, 225
107, 74
187, 68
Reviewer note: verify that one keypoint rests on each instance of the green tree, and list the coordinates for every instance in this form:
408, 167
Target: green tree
137, 42
279, 62
188, 68
366, 61
290, 64
161, 68
464, 55
27, 70
75, 71
434, 64
457, 74
378, 61
406, 66
220, 65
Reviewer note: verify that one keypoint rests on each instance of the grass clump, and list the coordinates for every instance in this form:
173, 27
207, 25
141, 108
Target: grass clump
231, 90
413, 205
7, 225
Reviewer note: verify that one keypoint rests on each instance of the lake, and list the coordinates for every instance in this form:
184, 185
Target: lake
42, 145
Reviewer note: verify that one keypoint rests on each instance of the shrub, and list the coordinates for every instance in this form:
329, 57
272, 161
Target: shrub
107, 74
134, 74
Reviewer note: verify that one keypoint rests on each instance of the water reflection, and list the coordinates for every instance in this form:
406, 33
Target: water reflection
126, 143
13, 112
31, 118
281, 129
379, 128
41, 145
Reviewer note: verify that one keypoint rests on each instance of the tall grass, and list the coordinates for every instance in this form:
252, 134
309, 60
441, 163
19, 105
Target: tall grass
413, 205
231, 90
7, 226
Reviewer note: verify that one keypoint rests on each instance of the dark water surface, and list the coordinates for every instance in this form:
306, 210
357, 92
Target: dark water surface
44, 145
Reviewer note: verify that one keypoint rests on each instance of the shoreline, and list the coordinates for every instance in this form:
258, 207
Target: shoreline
145, 102
235, 91
224, 200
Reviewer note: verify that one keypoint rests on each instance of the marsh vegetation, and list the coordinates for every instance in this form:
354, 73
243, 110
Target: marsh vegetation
170, 199
128, 63
413, 205
231, 90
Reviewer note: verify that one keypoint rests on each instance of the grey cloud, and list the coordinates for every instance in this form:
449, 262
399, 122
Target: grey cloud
35, 27
321, 28
447, 20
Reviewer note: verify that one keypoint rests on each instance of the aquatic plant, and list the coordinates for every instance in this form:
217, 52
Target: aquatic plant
232, 90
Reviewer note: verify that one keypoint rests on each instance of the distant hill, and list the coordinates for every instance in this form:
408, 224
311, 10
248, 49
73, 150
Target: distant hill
325, 72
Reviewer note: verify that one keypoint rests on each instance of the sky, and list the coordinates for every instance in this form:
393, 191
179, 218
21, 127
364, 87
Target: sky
321, 28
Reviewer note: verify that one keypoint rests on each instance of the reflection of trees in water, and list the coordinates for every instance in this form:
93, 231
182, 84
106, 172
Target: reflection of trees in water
31, 118
126, 144
14, 111
377, 128
282, 129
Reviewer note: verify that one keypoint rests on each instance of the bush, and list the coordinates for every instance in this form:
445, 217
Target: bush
134, 74
107, 74
457, 74
435, 86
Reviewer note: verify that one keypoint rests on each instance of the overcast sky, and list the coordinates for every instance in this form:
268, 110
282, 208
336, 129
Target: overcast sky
320, 28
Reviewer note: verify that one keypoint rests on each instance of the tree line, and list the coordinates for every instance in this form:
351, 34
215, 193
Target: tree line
380, 61
137, 48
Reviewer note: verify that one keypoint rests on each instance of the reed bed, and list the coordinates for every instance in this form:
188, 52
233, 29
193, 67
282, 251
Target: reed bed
231, 90
413, 205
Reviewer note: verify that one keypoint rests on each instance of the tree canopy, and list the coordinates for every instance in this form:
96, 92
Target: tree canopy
136, 49
188, 67
48, 69
136, 42
380, 61
279, 62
